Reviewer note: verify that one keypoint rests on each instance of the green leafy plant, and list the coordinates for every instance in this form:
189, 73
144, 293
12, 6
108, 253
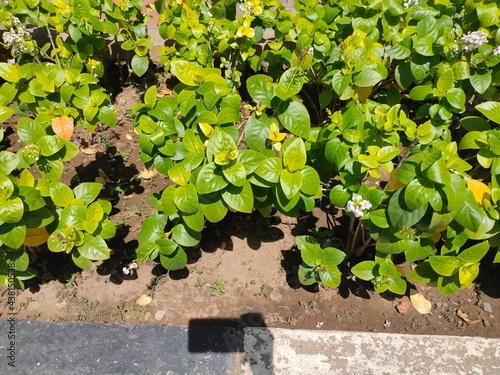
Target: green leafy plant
383, 274
319, 265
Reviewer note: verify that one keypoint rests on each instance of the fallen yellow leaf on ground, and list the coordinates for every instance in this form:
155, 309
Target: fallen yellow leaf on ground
144, 300
419, 302
89, 150
147, 175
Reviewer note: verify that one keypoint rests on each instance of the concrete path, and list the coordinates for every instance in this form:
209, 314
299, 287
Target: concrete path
94, 348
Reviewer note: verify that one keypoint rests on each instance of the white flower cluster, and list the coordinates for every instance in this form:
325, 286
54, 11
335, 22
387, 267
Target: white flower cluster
17, 36
496, 51
357, 205
131, 267
409, 3
473, 40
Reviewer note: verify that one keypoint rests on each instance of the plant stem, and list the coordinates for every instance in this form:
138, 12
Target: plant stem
355, 237
363, 247
350, 234
53, 46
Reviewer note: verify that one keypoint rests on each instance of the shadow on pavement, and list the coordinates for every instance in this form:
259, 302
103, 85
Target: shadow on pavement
229, 336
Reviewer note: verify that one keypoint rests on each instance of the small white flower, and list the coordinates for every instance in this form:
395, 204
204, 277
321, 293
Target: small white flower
134, 266
473, 40
409, 3
126, 271
357, 205
387, 324
496, 51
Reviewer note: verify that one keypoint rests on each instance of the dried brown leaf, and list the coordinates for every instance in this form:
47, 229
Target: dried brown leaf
465, 318
144, 300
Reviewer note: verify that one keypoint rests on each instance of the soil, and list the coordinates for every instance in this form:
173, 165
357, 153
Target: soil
243, 272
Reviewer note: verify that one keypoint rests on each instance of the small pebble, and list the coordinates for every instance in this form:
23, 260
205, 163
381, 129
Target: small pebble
487, 307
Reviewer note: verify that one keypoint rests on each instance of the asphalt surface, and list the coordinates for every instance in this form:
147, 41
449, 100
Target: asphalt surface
67, 348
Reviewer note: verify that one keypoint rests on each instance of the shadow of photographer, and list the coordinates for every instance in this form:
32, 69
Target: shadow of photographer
247, 336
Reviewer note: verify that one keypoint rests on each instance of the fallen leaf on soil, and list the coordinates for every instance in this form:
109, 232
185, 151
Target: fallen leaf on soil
103, 177
147, 175
422, 305
465, 318
144, 300
134, 229
89, 150
129, 196
403, 306
129, 137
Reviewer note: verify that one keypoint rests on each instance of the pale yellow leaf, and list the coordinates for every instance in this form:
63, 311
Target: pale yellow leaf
419, 302
147, 175
144, 300
480, 190
88, 150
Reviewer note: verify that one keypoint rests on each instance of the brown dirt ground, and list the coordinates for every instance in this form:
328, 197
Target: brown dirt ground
244, 265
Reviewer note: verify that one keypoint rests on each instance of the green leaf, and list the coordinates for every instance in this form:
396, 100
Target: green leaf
210, 179
20, 259
250, 159
239, 198
140, 65
419, 249
30, 131
469, 214
5, 114
310, 182
456, 98
339, 196
290, 182
187, 72
261, 89
270, 170
395, 247
460, 70
290, 84
51, 167
107, 116
367, 78
50, 144
150, 97
186, 198
151, 230
13, 234
31, 198
400, 215
307, 275
61, 194
257, 129
295, 118
423, 273
11, 210
420, 93
491, 110
295, 156
94, 248
87, 191
179, 174
213, 208
74, 216
397, 285
417, 193
449, 285
80, 260
235, 174
336, 152
444, 265
227, 115
176, 261
8, 162
364, 270
481, 82
108, 229
195, 221
10, 72
185, 236
331, 276
474, 254
467, 274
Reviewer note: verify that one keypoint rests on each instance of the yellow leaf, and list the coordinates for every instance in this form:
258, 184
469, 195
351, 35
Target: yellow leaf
63, 127
206, 128
88, 150
394, 184
363, 93
419, 302
103, 177
35, 236
275, 135
147, 175
144, 300
480, 190
26, 178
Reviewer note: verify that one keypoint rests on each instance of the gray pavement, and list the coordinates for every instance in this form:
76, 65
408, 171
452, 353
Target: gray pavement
55, 348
